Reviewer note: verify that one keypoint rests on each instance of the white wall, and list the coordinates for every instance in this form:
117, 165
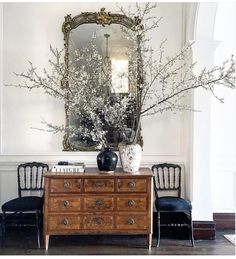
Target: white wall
213, 156
28, 30
223, 118
203, 52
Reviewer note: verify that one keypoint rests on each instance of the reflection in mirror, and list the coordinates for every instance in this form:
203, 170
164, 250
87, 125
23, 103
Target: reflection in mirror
113, 47
105, 56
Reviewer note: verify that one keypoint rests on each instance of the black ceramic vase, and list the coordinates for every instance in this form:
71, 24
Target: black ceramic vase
107, 160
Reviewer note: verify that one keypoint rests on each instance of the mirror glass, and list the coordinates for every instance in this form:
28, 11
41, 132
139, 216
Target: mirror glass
93, 49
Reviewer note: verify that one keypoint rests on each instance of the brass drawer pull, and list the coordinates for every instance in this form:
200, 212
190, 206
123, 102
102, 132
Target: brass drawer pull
65, 222
99, 184
130, 221
66, 184
66, 203
98, 221
131, 203
99, 202
131, 185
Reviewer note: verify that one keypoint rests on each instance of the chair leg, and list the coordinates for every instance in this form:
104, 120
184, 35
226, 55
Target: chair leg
38, 227
158, 228
191, 229
3, 229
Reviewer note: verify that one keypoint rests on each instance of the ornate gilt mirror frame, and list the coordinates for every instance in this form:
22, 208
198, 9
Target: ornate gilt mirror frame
102, 18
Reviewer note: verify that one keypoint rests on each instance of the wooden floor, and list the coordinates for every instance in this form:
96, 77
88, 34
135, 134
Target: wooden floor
24, 243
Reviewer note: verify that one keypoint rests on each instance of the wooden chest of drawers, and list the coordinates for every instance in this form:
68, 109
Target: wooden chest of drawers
97, 203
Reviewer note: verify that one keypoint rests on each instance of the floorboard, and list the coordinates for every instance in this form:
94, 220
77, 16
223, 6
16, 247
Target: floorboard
23, 242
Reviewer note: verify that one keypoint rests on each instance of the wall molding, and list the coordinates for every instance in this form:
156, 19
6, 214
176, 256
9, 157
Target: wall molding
10, 162
224, 220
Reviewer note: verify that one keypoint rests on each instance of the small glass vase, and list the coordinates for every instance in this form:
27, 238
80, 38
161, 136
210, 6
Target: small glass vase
107, 160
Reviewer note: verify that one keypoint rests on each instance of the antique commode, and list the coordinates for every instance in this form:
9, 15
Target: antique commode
98, 203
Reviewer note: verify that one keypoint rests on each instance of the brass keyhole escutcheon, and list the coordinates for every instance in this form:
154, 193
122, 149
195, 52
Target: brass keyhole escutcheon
66, 184
131, 203
99, 202
66, 203
131, 185
78, 184
65, 222
99, 184
130, 221
98, 221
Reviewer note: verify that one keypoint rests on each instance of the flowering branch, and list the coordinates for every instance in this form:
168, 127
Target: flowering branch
159, 84
85, 87
166, 81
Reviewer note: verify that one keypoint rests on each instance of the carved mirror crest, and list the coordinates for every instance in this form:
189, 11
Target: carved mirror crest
101, 33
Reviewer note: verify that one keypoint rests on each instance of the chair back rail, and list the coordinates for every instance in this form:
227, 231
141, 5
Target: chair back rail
30, 176
167, 177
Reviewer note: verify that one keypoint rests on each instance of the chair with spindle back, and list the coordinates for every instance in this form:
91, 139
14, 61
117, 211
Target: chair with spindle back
172, 210
30, 179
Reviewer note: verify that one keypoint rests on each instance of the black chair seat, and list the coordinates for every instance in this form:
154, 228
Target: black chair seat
23, 204
169, 203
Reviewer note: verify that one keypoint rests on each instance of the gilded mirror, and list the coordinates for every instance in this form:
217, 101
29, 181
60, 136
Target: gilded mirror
104, 34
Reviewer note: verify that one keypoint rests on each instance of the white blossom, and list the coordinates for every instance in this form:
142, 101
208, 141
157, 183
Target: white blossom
163, 82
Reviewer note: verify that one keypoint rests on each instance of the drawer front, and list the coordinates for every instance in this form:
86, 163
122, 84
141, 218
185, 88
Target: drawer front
99, 222
65, 185
99, 203
132, 185
132, 203
64, 222
63, 204
99, 185
126, 222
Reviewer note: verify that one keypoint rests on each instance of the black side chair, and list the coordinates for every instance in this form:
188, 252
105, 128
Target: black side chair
172, 210
30, 179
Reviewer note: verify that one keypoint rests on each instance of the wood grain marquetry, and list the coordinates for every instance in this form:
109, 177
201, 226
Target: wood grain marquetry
99, 185
98, 222
132, 203
64, 203
132, 185
131, 221
64, 222
97, 203
65, 185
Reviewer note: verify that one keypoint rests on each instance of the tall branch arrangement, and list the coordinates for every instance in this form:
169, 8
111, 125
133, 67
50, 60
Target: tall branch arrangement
163, 84
167, 80
85, 86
